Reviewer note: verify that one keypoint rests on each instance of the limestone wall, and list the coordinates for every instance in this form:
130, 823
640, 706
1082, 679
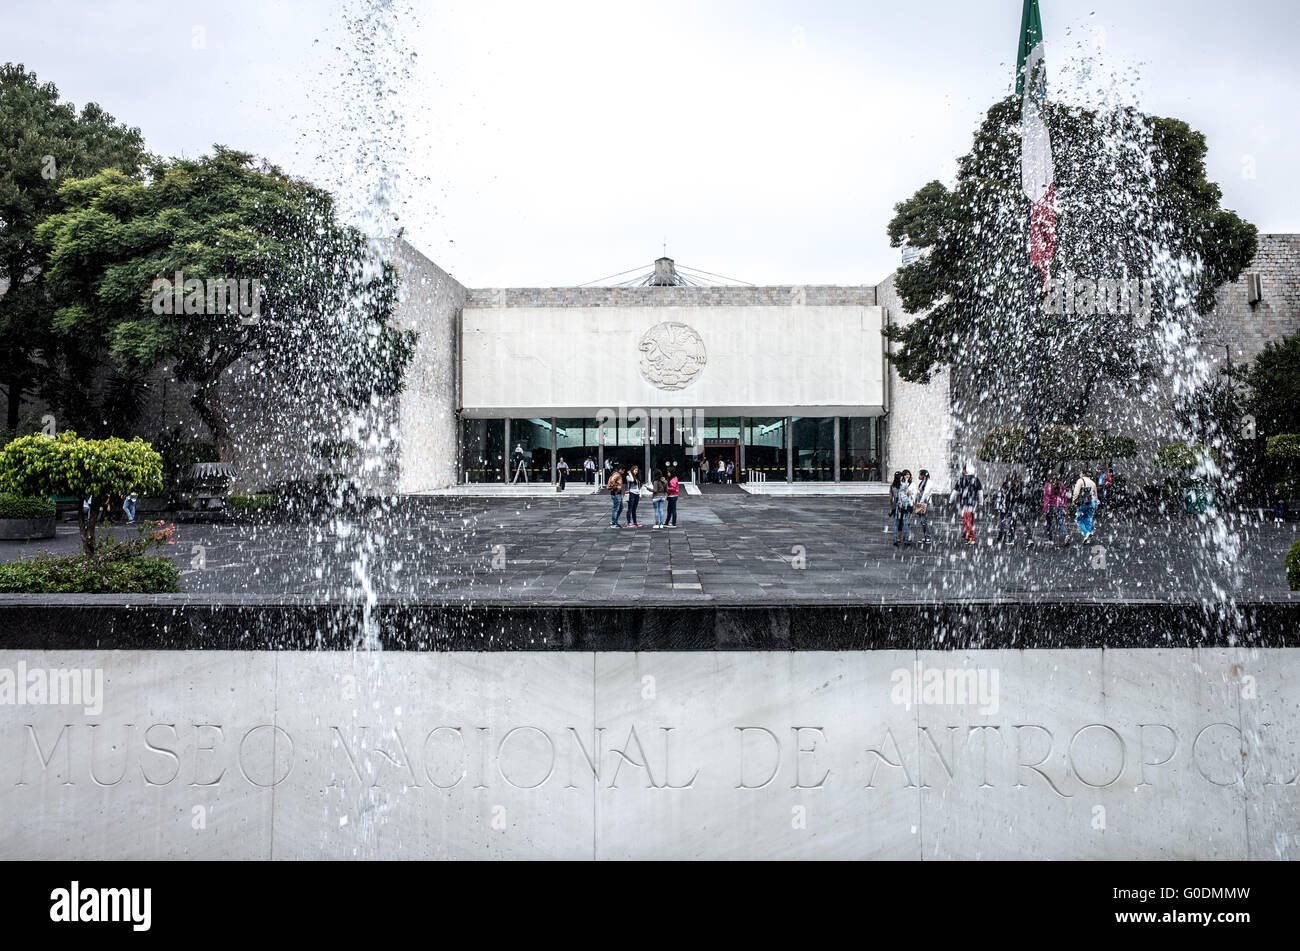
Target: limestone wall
1042, 754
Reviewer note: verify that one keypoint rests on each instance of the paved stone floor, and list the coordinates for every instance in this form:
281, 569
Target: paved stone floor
729, 547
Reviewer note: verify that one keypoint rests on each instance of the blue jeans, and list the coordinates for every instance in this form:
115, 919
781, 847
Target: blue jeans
923, 519
618, 507
1083, 517
659, 510
672, 511
903, 525
128, 508
632, 499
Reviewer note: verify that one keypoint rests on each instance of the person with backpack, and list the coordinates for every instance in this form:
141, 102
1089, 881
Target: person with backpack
968, 494
615, 489
1084, 497
920, 496
1054, 509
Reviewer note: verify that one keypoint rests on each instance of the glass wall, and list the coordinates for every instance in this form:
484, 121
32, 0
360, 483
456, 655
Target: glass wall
483, 449
814, 448
534, 437
575, 442
765, 440
860, 448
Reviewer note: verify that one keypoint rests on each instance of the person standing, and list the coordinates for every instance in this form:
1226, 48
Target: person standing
903, 510
659, 496
1084, 497
968, 493
1054, 509
632, 483
921, 505
517, 459
1007, 504
615, 488
673, 488
589, 470
561, 473
731, 473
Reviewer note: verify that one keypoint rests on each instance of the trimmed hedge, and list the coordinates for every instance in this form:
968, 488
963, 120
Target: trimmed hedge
25, 506
79, 574
1293, 566
261, 500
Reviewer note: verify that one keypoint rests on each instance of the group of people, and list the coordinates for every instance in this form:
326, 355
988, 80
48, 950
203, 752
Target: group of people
910, 500
625, 487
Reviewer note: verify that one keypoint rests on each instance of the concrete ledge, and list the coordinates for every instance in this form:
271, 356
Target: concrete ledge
816, 488
183, 622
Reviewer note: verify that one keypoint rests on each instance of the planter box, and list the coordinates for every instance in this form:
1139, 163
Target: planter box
26, 529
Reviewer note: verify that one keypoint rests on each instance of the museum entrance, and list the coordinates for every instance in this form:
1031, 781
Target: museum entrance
724, 451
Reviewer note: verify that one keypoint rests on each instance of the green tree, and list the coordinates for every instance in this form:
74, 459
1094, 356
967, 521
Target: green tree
323, 315
43, 142
66, 465
1274, 380
1132, 202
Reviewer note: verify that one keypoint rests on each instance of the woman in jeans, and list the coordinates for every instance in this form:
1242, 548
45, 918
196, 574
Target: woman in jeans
670, 521
633, 487
659, 488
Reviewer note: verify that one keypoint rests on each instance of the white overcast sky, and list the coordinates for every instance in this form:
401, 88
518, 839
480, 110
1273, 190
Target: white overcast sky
552, 143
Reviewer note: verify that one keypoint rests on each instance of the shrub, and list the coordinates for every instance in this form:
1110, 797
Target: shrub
66, 465
1285, 447
1056, 443
1184, 457
88, 574
1293, 566
255, 502
25, 506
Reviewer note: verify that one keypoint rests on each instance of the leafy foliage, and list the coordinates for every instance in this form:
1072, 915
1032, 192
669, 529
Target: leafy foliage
1274, 379
66, 465
326, 300
1184, 457
25, 506
1132, 201
89, 574
255, 502
1293, 566
1284, 446
44, 142
1057, 444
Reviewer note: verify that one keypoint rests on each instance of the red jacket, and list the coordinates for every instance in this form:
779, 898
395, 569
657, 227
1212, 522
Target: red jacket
673, 487
1051, 498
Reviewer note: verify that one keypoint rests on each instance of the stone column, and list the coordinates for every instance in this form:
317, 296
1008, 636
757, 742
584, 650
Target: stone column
600, 452
555, 444
835, 467
789, 450
741, 449
505, 462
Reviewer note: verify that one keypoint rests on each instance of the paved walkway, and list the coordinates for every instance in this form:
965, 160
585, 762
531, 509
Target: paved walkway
730, 547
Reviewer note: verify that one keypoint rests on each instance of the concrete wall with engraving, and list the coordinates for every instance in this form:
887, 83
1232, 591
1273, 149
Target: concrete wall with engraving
1118, 754
759, 359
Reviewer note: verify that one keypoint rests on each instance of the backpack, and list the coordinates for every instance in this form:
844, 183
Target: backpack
1085, 496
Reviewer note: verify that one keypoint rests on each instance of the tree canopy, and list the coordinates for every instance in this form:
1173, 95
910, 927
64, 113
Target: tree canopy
43, 143
148, 272
1132, 204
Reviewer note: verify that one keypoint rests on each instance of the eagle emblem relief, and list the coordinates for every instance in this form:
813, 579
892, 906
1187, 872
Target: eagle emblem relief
672, 355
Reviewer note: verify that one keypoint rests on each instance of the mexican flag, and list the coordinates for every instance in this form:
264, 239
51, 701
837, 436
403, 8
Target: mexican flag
1036, 173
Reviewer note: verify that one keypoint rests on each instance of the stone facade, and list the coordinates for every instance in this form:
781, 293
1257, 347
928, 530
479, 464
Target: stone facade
919, 424
1240, 329
674, 296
